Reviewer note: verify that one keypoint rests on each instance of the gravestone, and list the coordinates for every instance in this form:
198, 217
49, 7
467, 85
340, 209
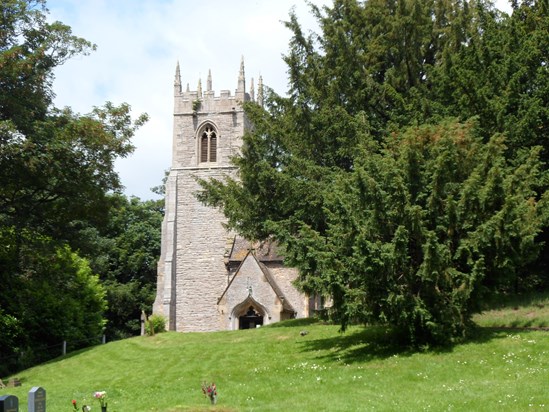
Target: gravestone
9, 403
13, 382
37, 399
143, 320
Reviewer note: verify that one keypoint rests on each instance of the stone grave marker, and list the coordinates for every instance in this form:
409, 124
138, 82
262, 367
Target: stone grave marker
13, 382
37, 399
9, 403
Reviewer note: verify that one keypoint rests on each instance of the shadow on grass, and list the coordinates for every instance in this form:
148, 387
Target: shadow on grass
378, 343
297, 323
52, 361
20, 373
363, 345
516, 301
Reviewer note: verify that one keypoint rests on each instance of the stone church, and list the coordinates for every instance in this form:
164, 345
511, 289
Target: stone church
208, 278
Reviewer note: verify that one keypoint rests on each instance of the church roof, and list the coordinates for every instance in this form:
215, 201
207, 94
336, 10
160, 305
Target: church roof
285, 304
266, 251
251, 253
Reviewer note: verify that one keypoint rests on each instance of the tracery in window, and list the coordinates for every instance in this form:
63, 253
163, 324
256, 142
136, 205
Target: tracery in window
208, 145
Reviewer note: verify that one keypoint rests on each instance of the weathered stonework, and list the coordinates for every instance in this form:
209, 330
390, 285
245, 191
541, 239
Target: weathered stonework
207, 280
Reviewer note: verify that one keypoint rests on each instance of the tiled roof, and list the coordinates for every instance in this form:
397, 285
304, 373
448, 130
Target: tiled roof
264, 251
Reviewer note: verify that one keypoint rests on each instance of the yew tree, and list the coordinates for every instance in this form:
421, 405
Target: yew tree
403, 173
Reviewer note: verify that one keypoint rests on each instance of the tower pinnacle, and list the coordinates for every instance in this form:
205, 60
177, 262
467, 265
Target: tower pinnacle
209, 81
241, 90
177, 80
252, 90
199, 88
260, 91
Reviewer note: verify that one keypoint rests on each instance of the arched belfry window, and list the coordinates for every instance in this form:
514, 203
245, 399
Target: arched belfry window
208, 144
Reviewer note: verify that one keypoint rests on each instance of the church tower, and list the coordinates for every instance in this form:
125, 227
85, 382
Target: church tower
209, 279
207, 131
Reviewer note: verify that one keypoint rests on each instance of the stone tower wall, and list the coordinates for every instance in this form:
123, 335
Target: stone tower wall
191, 271
201, 274
224, 112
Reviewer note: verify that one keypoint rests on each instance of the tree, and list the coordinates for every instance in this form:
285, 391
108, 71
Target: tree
39, 170
400, 224
67, 302
30, 48
125, 253
56, 174
418, 234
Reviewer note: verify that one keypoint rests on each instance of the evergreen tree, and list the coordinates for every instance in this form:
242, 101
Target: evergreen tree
407, 225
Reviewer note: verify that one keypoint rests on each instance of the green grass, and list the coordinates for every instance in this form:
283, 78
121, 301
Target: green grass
276, 369
528, 311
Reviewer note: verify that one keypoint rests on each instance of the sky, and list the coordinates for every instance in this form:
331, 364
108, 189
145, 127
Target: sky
139, 43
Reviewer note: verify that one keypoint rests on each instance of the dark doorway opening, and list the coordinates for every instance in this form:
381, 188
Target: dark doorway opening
250, 320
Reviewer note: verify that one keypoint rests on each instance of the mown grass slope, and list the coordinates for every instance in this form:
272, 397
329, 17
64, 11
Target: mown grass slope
276, 369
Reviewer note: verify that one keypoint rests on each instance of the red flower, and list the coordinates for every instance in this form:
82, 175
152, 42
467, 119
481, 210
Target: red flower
210, 391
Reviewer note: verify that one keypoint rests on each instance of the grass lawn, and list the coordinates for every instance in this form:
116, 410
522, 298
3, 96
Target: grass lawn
274, 368
531, 311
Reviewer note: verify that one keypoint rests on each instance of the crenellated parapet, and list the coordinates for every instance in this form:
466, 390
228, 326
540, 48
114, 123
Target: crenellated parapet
193, 102
208, 127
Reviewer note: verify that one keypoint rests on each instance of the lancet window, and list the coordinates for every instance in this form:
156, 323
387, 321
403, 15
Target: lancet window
208, 144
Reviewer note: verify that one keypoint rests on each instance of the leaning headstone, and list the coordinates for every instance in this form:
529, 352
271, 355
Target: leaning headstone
9, 403
37, 399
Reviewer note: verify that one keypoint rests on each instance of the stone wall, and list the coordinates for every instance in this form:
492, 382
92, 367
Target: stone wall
284, 277
201, 275
230, 128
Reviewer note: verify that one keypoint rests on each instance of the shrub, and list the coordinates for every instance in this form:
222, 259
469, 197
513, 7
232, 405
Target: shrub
155, 324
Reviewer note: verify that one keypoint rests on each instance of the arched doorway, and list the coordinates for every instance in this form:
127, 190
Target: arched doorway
251, 319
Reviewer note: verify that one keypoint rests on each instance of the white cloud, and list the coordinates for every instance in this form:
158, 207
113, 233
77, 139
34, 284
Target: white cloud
139, 43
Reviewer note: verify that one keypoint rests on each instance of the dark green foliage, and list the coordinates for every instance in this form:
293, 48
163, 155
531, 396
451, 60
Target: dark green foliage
30, 49
134, 225
39, 171
125, 255
134, 229
53, 297
124, 252
56, 171
408, 225
9, 347
126, 301
421, 232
